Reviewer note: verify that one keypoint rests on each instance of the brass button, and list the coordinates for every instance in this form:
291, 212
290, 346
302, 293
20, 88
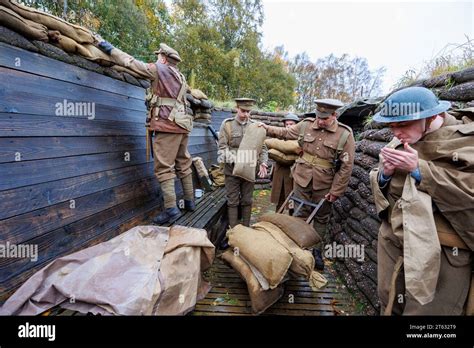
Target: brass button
319, 139
317, 148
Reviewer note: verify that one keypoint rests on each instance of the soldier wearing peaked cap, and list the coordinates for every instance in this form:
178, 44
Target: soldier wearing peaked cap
239, 191
325, 165
168, 120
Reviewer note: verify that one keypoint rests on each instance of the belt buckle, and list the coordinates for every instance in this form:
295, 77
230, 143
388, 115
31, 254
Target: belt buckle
314, 160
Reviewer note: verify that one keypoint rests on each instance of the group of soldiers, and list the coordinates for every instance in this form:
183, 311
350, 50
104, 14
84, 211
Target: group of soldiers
321, 172
423, 188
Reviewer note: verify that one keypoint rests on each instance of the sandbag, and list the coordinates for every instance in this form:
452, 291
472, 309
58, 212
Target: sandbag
68, 45
120, 68
203, 174
303, 234
198, 94
75, 32
259, 298
200, 167
203, 116
205, 104
217, 175
303, 260
262, 251
25, 27
286, 146
87, 51
282, 158
248, 152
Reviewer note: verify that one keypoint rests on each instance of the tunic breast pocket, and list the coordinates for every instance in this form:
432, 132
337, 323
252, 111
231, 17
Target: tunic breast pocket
308, 142
235, 139
330, 146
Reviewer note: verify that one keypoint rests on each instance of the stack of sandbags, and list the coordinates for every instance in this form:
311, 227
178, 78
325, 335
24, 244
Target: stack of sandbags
266, 254
284, 152
200, 105
71, 38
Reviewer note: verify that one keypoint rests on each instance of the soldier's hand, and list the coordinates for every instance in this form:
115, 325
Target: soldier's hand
262, 173
404, 160
97, 39
261, 124
330, 197
388, 167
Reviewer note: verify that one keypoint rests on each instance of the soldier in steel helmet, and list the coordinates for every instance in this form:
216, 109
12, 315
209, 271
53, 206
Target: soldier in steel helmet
423, 191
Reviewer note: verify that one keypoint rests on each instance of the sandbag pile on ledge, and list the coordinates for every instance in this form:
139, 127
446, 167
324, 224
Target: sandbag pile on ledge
200, 106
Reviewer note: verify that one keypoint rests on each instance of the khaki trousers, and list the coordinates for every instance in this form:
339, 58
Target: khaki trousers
238, 191
453, 282
171, 155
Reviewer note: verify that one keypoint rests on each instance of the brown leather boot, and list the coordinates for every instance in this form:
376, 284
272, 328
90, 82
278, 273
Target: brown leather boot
246, 213
233, 213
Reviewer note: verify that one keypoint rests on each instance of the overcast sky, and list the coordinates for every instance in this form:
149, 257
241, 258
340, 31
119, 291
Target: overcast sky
399, 35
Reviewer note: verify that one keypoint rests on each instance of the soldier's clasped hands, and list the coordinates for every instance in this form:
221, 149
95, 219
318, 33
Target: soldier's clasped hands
396, 159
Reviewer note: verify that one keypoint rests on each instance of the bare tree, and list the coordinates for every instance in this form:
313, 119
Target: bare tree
343, 77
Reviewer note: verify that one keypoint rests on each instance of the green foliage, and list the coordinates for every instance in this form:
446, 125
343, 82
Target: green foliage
229, 104
219, 40
271, 106
453, 57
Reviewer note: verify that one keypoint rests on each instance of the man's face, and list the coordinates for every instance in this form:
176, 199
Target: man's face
162, 58
326, 122
409, 131
289, 123
243, 115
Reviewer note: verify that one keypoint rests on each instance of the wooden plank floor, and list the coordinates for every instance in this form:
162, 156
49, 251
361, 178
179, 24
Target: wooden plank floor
207, 207
229, 296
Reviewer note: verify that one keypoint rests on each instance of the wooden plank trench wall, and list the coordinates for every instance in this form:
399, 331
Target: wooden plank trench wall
69, 182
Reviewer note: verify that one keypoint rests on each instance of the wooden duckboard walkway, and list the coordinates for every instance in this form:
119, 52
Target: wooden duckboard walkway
229, 296
207, 210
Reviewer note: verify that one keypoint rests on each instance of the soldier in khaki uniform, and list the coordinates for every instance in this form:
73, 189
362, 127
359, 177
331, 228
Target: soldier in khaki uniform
423, 192
168, 120
282, 182
239, 191
316, 174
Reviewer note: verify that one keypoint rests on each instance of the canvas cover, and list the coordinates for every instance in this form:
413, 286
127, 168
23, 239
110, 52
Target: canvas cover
148, 270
